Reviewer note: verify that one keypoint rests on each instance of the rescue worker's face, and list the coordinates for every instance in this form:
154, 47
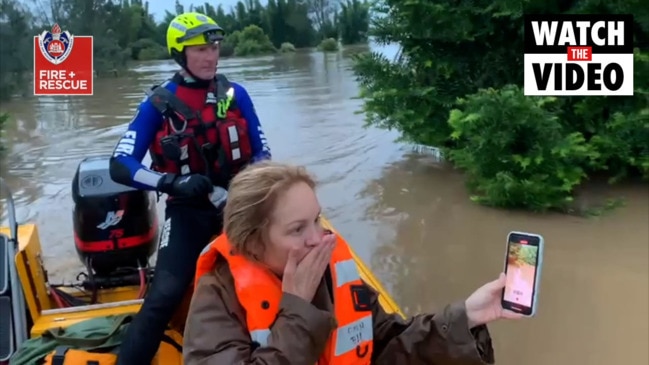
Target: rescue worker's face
202, 60
294, 223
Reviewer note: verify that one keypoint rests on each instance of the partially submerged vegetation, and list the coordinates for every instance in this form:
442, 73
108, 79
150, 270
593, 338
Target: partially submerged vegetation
126, 30
3, 120
457, 86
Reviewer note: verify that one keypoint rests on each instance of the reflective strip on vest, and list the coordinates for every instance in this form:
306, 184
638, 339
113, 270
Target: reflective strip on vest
351, 335
346, 272
348, 337
184, 160
350, 343
234, 142
260, 336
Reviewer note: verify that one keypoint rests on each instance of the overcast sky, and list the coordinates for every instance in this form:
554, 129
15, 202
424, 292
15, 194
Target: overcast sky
158, 7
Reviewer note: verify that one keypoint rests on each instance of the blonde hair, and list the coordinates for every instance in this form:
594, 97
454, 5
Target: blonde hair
251, 198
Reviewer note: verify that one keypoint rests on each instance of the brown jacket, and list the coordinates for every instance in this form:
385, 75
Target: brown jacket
216, 334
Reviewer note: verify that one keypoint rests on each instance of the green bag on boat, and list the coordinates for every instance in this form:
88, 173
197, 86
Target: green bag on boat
101, 334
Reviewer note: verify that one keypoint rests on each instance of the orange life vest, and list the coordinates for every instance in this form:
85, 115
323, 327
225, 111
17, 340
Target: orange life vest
259, 292
213, 141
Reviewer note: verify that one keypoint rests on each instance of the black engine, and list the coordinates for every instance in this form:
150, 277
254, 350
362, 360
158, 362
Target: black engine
115, 226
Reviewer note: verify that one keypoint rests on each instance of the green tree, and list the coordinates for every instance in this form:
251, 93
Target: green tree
14, 25
353, 21
252, 41
290, 22
452, 87
125, 30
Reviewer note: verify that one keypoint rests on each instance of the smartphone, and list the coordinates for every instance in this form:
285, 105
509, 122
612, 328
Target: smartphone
523, 261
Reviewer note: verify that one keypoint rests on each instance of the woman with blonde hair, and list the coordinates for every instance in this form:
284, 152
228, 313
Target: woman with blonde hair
276, 288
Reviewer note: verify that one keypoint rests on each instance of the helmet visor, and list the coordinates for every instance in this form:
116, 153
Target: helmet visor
210, 32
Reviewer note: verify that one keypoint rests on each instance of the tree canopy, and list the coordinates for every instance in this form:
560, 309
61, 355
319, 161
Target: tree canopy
457, 85
125, 30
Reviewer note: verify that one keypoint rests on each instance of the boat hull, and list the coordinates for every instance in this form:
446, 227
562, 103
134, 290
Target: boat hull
44, 313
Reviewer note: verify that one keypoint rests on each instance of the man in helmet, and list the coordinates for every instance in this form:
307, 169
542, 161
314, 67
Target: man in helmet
200, 130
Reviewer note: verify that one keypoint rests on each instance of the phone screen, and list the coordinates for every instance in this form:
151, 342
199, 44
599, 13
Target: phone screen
521, 269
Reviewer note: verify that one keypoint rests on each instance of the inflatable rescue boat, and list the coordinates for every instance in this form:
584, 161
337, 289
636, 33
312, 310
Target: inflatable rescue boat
116, 230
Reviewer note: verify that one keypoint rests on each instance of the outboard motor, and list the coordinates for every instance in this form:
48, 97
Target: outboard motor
115, 226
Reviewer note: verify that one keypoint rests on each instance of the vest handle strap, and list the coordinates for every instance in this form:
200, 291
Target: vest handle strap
170, 106
222, 86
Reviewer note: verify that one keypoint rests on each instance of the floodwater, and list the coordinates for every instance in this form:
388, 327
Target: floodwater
406, 214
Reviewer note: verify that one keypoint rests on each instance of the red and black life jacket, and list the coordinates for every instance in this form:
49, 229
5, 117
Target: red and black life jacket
213, 141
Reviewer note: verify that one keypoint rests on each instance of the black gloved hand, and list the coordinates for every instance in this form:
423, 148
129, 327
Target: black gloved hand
185, 186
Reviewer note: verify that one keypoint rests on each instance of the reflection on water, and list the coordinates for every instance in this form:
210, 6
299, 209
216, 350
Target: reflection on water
303, 99
435, 248
412, 219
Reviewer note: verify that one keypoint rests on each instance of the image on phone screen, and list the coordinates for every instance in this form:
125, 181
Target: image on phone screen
521, 269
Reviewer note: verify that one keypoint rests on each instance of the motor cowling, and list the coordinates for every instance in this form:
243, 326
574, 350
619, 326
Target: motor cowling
115, 226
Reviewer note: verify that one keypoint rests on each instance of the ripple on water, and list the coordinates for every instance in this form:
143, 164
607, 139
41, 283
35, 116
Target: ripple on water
293, 97
413, 221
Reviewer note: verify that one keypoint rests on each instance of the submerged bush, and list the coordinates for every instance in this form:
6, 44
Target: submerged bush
287, 47
328, 45
456, 85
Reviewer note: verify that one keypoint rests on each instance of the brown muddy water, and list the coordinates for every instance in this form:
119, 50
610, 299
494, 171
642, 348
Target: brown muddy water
406, 215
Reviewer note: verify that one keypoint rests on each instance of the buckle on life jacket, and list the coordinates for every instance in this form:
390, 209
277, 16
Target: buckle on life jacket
170, 107
59, 355
171, 147
361, 297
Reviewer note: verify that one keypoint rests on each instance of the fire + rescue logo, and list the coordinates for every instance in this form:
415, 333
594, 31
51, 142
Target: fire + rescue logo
55, 45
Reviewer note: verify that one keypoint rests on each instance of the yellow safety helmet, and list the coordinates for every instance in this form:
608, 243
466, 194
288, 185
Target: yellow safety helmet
191, 29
